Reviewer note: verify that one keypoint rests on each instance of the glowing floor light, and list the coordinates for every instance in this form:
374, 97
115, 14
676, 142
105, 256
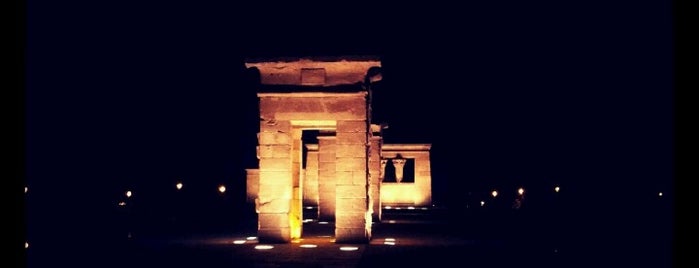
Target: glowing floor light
390, 239
322, 222
264, 247
387, 207
391, 221
222, 189
308, 220
128, 193
309, 207
239, 242
520, 191
389, 243
251, 237
494, 193
349, 248
308, 246
178, 186
411, 208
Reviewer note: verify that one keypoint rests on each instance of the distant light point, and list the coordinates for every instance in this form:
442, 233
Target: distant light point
222, 189
660, 194
482, 203
26, 189
494, 193
26, 244
122, 203
557, 189
520, 191
179, 186
128, 193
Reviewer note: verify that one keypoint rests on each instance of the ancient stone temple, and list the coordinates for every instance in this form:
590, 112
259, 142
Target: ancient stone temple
344, 170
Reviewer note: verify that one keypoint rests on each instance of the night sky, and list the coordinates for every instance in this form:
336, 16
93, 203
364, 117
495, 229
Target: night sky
138, 94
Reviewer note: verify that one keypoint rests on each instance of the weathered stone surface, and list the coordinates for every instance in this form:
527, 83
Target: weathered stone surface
274, 235
355, 126
326, 175
351, 164
360, 178
351, 191
350, 205
351, 138
338, 71
275, 151
273, 220
351, 178
272, 205
351, 150
313, 106
268, 138
272, 125
275, 178
351, 235
327, 157
310, 184
312, 76
270, 192
275, 164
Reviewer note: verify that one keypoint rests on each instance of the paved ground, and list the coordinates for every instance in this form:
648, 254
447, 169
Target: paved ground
402, 238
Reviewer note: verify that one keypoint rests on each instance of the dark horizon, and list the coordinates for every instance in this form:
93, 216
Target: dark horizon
141, 95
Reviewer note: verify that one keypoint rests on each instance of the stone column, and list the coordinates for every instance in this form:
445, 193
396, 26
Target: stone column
296, 208
423, 178
310, 182
352, 216
375, 176
326, 176
399, 163
383, 168
275, 181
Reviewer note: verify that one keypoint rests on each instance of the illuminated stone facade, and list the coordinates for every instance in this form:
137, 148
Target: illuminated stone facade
342, 174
